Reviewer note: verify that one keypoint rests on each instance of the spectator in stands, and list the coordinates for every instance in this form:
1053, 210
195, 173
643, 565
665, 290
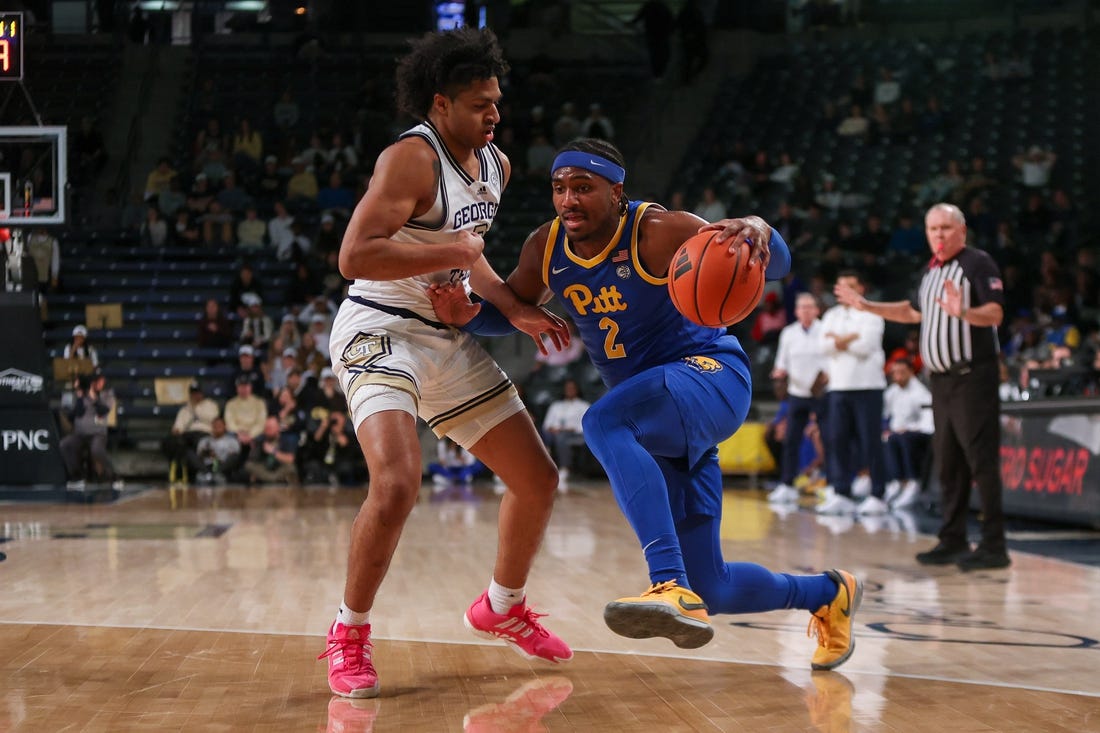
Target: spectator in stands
318, 305
1034, 221
710, 208
852, 343
319, 325
200, 195
302, 186
658, 25
248, 365
270, 184
285, 407
298, 246
567, 127
288, 332
770, 320
43, 248
334, 284
214, 168
247, 147
327, 394
905, 122
328, 237
303, 286
562, 428
232, 197
217, 226
158, 179
92, 404
887, 88
907, 238
281, 365
331, 454
939, 187
272, 454
597, 124
908, 352
208, 140
79, 348
286, 112
933, 119
214, 330
336, 198
1061, 331
310, 359
245, 282
245, 413
540, 155
257, 328
186, 232
172, 200
154, 230
340, 157
251, 230
855, 125
194, 420
217, 457
279, 231
907, 412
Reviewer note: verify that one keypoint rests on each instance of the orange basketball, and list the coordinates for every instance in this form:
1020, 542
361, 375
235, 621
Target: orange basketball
711, 286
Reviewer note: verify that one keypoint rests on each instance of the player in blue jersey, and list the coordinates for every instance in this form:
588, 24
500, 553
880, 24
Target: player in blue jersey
675, 391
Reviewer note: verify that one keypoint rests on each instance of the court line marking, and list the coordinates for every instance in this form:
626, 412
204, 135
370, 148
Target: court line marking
660, 655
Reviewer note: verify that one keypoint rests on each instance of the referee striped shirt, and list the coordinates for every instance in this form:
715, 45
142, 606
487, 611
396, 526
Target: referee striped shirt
947, 342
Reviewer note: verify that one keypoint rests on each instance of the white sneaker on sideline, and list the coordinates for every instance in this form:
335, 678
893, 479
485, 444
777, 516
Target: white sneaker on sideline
909, 495
835, 503
783, 494
861, 486
893, 488
872, 505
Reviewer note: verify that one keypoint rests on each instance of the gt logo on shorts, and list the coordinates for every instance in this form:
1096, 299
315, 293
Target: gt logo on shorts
703, 363
364, 350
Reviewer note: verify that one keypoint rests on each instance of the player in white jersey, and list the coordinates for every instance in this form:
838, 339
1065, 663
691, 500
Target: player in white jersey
432, 195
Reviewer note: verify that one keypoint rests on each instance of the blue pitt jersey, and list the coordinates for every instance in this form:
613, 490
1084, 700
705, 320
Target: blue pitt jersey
623, 313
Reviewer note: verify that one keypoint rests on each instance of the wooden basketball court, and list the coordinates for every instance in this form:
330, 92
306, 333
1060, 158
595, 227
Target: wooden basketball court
205, 609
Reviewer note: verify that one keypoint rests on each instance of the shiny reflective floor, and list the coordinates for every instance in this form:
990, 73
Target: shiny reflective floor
205, 609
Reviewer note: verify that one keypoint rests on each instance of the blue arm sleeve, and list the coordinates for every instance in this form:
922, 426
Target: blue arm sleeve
489, 322
780, 263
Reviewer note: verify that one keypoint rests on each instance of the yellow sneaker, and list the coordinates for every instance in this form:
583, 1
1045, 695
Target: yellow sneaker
667, 610
832, 623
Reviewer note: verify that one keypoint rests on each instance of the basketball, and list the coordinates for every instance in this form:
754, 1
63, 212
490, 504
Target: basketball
711, 286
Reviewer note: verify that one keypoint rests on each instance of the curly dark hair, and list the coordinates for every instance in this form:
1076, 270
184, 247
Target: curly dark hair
604, 149
444, 63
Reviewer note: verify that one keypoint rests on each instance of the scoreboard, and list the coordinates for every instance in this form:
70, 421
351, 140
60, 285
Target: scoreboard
11, 46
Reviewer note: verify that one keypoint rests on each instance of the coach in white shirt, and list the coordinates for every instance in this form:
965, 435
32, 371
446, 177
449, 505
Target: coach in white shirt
852, 342
907, 409
799, 359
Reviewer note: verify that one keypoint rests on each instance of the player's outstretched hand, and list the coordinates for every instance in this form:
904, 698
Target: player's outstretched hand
452, 305
751, 229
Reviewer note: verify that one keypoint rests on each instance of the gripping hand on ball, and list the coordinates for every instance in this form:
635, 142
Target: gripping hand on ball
751, 229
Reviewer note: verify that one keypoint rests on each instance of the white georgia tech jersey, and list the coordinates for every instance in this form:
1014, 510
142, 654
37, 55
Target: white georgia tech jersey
462, 203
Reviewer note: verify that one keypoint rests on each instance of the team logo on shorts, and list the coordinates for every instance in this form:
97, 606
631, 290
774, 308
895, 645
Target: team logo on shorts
703, 363
364, 350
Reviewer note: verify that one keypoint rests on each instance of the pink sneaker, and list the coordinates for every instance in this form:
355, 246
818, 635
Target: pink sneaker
519, 627
350, 670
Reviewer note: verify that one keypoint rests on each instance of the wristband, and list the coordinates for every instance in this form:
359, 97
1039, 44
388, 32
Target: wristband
489, 321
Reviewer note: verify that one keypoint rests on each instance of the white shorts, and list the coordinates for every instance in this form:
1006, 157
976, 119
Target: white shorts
442, 375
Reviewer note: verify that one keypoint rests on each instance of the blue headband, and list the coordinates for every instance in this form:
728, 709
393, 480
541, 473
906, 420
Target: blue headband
597, 164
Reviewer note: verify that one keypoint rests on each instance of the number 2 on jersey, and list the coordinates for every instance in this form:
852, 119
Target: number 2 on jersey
611, 348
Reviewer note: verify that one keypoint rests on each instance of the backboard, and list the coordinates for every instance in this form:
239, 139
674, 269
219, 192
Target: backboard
33, 175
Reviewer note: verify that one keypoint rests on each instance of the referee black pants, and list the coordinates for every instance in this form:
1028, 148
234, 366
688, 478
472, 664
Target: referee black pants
967, 442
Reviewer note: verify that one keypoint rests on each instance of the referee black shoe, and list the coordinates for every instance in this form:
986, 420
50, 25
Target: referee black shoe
982, 559
943, 554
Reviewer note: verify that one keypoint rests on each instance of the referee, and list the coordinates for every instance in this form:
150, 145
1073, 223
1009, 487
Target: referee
959, 305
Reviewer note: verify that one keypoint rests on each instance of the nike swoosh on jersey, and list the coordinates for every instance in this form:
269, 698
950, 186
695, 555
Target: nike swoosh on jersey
558, 270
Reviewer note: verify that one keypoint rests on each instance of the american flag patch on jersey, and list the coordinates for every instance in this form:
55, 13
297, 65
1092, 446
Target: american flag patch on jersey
996, 284
620, 256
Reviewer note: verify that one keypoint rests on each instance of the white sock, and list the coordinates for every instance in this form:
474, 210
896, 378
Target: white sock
502, 599
348, 617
